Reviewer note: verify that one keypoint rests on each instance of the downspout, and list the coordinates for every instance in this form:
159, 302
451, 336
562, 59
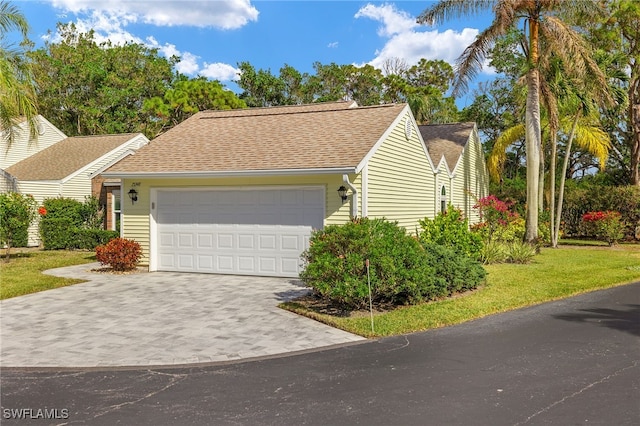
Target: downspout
354, 196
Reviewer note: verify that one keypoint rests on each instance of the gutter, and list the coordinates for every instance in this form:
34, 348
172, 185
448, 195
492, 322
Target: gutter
354, 196
229, 173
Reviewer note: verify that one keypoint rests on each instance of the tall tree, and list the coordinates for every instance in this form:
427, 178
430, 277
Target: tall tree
541, 22
618, 33
85, 87
17, 87
185, 98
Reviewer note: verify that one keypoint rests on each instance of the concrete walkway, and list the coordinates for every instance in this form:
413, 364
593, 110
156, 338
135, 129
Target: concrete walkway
158, 318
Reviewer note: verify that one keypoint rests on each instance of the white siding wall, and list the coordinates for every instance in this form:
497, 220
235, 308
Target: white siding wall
22, 147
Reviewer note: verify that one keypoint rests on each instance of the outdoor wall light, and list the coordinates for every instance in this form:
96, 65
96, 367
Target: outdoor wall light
342, 191
133, 195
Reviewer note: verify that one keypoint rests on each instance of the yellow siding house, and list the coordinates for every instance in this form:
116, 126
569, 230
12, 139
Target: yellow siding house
240, 191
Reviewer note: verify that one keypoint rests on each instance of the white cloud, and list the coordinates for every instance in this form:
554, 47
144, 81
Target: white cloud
220, 71
108, 20
394, 21
406, 42
223, 14
333, 45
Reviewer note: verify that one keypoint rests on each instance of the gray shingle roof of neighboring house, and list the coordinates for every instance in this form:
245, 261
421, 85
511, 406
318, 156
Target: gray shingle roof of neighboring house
67, 156
315, 136
446, 140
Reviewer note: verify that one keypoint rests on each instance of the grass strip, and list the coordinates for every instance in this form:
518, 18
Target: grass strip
23, 273
554, 274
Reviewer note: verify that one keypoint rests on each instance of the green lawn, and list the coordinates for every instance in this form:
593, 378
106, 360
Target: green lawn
23, 274
554, 274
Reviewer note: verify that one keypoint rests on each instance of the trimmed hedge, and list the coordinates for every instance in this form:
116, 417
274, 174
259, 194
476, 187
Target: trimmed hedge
60, 234
591, 198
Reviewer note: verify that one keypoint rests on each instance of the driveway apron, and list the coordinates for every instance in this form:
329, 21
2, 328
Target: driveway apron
158, 318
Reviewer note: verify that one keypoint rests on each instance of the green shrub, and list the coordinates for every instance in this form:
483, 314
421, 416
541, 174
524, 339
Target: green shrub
55, 232
461, 273
450, 229
587, 197
606, 226
71, 224
60, 234
67, 208
17, 211
120, 254
89, 239
400, 272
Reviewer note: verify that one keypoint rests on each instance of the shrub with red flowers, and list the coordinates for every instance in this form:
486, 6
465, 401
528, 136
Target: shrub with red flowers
604, 225
495, 217
42, 211
120, 254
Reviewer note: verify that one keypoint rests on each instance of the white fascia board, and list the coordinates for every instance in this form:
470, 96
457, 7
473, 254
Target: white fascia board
231, 173
54, 128
126, 146
383, 138
406, 111
443, 167
106, 166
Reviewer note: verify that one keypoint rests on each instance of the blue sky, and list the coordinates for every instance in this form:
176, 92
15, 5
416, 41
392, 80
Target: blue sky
213, 36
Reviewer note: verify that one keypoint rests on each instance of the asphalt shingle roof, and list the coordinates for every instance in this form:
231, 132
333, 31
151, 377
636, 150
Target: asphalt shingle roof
315, 136
446, 140
67, 156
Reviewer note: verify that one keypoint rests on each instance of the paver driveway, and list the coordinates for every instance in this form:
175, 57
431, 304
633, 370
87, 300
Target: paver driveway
158, 318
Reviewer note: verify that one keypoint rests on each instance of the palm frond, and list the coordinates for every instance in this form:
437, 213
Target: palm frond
595, 141
498, 155
446, 10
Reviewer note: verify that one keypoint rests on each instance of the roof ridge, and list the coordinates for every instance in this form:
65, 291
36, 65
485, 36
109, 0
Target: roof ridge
103, 136
274, 113
276, 106
447, 124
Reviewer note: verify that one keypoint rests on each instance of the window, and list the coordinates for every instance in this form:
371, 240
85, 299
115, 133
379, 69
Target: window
443, 199
116, 210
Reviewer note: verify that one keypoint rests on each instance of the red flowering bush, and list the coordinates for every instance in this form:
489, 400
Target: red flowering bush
604, 225
496, 219
120, 254
42, 211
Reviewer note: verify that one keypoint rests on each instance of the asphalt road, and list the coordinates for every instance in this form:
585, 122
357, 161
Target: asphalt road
571, 362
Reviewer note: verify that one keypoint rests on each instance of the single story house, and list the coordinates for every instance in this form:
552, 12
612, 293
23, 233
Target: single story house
69, 167
239, 191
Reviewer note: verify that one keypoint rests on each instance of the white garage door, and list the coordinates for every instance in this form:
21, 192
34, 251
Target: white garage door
246, 232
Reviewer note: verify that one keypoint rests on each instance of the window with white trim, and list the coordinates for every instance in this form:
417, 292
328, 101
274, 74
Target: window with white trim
443, 199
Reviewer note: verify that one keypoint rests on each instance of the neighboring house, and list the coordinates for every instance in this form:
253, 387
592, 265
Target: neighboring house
70, 168
239, 191
24, 146
461, 177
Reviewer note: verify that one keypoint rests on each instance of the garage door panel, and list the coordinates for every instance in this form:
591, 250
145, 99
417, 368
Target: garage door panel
205, 263
224, 264
205, 241
250, 232
290, 242
267, 242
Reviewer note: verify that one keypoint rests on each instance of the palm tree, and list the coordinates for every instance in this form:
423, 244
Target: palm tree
542, 29
17, 87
